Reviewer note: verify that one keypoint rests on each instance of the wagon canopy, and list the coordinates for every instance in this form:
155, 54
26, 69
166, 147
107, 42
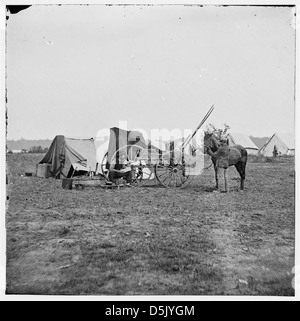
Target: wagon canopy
66, 154
129, 146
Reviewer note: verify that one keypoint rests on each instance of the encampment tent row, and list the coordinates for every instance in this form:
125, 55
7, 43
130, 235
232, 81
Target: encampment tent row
283, 143
243, 140
68, 156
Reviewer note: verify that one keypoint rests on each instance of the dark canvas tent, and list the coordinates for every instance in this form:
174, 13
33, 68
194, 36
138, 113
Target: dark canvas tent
129, 145
67, 154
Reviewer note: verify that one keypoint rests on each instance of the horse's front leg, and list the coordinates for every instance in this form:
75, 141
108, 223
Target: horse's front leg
216, 175
226, 180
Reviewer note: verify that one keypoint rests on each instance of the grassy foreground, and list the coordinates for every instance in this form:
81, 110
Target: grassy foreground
150, 240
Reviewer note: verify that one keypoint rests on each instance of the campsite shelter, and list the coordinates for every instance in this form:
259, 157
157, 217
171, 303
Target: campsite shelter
284, 142
129, 146
67, 155
244, 140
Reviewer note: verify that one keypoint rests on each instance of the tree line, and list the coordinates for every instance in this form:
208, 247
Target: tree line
37, 150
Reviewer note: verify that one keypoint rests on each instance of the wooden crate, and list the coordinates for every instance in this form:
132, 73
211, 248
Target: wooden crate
81, 183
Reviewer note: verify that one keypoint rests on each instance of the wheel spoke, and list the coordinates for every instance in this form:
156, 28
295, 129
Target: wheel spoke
170, 176
175, 175
163, 174
181, 178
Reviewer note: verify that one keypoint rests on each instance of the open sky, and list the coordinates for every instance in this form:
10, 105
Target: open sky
76, 69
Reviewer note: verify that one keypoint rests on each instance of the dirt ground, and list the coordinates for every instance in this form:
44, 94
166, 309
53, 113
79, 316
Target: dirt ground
150, 240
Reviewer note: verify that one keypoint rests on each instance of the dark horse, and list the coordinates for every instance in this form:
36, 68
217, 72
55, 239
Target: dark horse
224, 156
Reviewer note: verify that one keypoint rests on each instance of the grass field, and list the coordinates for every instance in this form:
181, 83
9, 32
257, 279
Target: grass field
152, 240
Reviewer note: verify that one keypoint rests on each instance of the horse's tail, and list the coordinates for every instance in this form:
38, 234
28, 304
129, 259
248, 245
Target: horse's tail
242, 150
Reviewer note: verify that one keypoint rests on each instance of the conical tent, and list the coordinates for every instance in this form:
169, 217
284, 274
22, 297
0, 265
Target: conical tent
65, 155
244, 140
284, 143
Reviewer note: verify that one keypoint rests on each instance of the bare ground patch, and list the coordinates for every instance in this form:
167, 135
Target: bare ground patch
152, 240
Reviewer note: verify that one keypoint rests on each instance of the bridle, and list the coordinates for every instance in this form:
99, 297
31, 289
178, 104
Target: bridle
207, 143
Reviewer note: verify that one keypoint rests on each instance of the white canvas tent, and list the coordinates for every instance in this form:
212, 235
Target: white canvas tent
284, 142
244, 140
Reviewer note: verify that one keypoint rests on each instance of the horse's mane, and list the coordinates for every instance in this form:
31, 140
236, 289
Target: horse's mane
215, 142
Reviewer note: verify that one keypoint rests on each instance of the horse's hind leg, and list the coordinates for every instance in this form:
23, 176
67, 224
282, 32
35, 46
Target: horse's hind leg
243, 176
241, 168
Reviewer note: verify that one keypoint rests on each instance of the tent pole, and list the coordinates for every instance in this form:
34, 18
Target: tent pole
73, 172
199, 126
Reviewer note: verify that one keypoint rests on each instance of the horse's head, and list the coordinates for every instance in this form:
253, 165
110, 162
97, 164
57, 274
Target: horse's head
207, 141
210, 142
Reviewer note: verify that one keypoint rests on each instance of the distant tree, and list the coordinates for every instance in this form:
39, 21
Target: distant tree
220, 133
36, 150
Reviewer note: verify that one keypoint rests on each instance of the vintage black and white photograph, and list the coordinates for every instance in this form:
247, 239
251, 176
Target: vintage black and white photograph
150, 150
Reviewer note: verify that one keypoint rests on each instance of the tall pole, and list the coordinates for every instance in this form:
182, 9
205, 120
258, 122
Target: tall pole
199, 126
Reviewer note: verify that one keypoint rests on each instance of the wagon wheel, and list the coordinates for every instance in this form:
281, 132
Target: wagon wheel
172, 175
104, 171
171, 171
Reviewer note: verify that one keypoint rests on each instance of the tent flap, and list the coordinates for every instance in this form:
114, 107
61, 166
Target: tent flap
67, 152
55, 155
